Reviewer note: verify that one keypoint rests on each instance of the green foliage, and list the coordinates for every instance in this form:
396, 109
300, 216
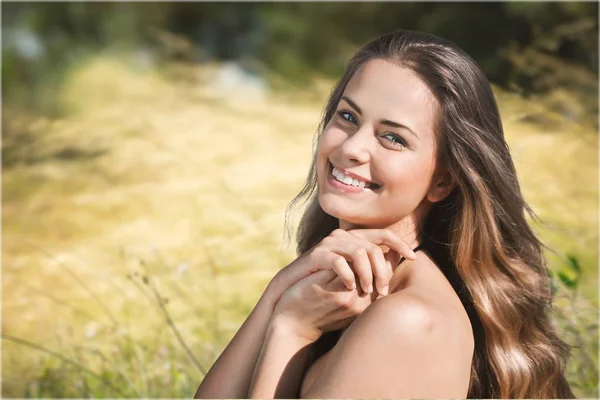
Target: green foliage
296, 40
578, 324
571, 280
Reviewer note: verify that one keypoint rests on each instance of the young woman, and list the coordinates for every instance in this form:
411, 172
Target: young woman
410, 156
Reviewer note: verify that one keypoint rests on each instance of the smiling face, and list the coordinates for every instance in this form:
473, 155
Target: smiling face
383, 132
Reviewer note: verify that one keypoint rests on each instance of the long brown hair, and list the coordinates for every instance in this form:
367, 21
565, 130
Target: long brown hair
478, 234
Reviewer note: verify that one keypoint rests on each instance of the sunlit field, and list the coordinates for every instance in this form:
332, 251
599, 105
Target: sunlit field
140, 229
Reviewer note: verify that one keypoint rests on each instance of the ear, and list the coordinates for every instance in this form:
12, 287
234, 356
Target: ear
441, 186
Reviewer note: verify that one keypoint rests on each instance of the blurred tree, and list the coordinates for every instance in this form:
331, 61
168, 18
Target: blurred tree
297, 40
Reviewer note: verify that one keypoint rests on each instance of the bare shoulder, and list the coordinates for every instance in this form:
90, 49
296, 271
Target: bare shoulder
417, 342
430, 312
399, 348
424, 283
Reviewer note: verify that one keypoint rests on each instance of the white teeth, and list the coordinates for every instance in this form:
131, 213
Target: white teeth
348, 180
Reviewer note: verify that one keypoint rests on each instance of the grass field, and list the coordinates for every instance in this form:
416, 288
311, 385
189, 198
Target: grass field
140, 229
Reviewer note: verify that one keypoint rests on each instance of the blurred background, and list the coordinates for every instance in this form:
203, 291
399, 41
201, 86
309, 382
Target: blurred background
149, 151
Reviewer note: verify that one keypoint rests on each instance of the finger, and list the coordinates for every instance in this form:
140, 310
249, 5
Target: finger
337, 285
381, 270
352, 253
323, 258
388, 238
321, 277
341, 267
392, 259
365, 265
363, 268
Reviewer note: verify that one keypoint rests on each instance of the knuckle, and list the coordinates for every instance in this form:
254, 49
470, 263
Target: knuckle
373, 249
337, 232
344, 301
339, 265
327, 240
342, 269
359, 252
314, 288
338, 261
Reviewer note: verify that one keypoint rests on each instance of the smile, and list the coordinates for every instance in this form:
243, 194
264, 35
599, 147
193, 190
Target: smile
338, 180
339, 175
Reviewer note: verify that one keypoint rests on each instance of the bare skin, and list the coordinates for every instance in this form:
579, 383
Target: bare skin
231, 375
417, 341
423, 281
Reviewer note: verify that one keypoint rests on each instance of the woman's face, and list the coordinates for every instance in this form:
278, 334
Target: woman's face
382, 132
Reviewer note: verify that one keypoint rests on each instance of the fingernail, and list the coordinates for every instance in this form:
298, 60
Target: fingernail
353, 286
384, 290
370, 289
413, 254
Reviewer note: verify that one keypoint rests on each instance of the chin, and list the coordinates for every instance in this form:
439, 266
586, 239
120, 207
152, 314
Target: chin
331, 206
339, 211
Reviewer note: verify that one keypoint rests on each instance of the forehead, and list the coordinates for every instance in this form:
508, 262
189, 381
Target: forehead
384, 90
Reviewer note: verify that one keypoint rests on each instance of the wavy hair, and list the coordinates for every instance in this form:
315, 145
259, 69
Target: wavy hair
478, 234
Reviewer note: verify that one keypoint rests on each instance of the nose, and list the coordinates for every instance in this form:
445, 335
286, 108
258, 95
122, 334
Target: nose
356, 148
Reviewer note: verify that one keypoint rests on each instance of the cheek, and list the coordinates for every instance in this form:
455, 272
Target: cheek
331, 138
328, 141
410, 183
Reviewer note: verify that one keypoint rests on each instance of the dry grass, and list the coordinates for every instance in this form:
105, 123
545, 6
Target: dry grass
155, 182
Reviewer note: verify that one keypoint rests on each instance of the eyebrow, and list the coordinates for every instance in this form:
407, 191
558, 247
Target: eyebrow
383, 121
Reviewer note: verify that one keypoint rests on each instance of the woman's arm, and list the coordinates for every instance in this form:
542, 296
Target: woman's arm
280, 365
316, 304
231, 374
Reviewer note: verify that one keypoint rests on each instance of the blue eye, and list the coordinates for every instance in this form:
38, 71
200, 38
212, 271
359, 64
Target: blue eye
347, 116
396, 140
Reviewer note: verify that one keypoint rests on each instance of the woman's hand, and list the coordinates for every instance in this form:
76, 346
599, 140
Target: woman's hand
319, 303
368, 250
